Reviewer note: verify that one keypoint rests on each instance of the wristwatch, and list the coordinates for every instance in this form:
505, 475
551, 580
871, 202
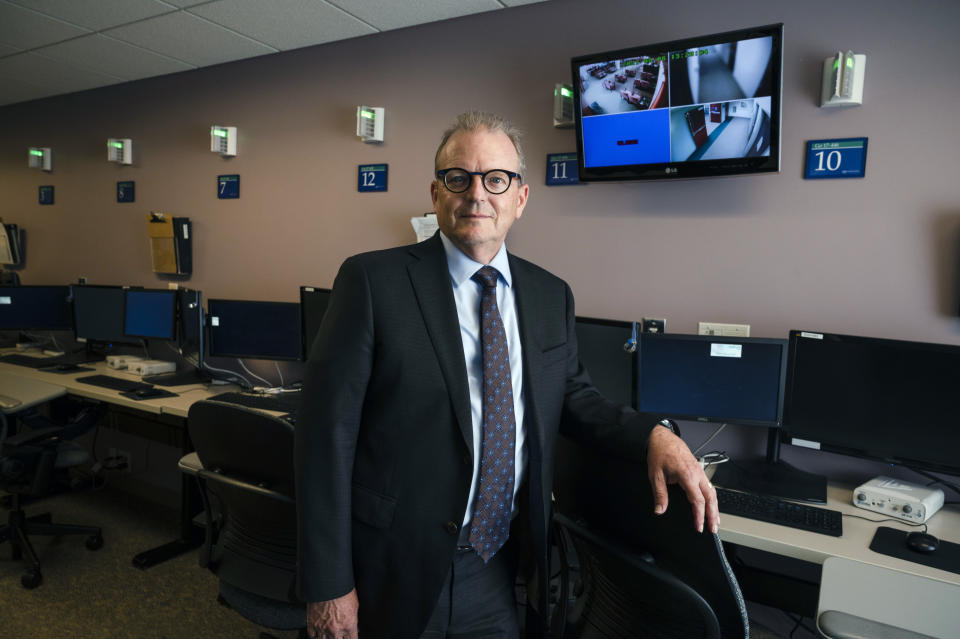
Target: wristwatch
672, 425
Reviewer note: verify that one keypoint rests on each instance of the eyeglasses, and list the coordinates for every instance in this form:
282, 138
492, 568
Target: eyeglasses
495, 181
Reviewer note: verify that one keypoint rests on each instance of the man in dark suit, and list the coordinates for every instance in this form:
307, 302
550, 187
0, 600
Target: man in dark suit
406, 406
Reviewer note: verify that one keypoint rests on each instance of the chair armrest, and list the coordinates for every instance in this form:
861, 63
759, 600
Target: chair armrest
33, 436
190, 464
841, 625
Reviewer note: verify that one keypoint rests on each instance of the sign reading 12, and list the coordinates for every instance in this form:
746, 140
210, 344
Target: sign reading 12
372, 177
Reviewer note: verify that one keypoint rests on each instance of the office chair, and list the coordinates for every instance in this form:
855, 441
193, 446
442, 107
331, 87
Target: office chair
29, 464
640, 574
247, 486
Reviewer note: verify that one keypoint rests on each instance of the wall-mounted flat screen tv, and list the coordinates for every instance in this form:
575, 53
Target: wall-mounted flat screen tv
698, 107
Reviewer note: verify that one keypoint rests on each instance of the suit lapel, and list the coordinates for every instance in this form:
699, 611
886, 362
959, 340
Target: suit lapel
430, 277
529, 313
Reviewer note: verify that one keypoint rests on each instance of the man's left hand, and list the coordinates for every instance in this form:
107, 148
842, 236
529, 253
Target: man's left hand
669, 461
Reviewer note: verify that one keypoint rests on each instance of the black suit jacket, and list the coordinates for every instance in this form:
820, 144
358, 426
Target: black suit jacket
384, 436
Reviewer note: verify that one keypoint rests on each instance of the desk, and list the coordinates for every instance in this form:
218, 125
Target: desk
170, 411
854, 544
30, 392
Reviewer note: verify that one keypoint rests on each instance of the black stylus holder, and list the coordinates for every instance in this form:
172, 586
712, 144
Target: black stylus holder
893, 542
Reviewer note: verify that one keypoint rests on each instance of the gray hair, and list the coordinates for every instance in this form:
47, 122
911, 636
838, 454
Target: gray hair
481, 120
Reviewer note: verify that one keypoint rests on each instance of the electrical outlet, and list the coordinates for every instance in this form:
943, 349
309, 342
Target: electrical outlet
124, 457
728, 330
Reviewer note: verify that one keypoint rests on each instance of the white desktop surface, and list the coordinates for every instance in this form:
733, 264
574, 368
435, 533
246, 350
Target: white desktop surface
854, 544
30, 392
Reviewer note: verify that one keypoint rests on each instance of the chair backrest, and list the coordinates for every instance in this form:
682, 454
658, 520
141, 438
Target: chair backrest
643, 574
247, 458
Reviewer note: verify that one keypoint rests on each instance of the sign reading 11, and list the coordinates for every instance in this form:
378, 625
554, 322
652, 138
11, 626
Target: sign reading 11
562, 169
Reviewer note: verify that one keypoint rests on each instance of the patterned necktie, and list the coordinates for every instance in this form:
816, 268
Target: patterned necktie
491, 512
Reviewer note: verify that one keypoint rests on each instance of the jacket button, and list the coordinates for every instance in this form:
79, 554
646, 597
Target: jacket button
452, 527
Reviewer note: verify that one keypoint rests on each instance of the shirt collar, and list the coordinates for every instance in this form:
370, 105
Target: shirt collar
463, 267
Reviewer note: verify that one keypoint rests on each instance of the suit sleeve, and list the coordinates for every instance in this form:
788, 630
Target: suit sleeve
594, 420
328, 423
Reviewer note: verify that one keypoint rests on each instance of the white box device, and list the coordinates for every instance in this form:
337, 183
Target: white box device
122, 361
152, 367
899, 499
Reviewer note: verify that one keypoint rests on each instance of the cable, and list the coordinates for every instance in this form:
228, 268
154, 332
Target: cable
880, 521
935, 479
277, 365
231, 375
709, 439
146, 351
252, 374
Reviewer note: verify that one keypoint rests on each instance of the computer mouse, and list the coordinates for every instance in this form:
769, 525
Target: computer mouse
922, 542
145, 392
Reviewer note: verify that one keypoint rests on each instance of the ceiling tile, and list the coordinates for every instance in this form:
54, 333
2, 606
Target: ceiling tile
284, 24
12, 91
27, 29
185, 3
395, 15
7, 50
517, 3
190, 39
97, 14
107, 55
50, 74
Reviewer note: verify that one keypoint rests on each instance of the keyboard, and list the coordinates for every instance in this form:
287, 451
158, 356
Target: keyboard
20, 359
779, 511
113, 383
280, 403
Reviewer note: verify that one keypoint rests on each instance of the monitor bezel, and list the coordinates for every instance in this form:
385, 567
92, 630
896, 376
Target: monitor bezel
787, 432
173, 316
304, 290
68, 298
212, 302
634, 328
695, 168
719, 419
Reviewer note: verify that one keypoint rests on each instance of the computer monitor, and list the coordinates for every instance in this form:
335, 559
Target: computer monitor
191, 324
313, 306
712, 379
254, 329
892, 400
98, 314
607, 349
150, 313
41, 308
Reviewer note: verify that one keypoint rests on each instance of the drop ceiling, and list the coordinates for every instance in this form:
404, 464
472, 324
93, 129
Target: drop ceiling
52, 47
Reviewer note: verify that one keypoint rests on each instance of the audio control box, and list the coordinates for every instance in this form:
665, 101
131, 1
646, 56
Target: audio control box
121, 361
898, 499
147, 367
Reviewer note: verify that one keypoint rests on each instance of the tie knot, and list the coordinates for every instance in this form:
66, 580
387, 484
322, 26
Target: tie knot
486, 277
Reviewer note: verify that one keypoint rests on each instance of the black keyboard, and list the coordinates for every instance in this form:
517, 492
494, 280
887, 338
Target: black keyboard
20, 359
113, 383
779, 511
280, 402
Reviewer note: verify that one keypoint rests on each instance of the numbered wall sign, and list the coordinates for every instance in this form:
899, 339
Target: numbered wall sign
372, 177
228, 187
844, 158
125, 192
562, 169
45, 194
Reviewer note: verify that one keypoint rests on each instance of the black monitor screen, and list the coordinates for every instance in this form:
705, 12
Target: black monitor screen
710, 378
98, 313
35, 308
263, 330
149, 313
313, 306
612, 368
891, 400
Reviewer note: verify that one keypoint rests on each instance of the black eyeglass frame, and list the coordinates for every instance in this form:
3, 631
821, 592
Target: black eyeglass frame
511, 176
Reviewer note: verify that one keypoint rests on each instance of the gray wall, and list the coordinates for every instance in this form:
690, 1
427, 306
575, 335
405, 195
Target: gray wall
876, 256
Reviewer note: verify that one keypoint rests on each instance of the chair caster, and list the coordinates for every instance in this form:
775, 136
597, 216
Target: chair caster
31, 579
94, 542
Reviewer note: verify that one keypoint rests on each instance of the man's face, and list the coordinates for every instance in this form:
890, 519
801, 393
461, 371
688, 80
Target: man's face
477, 221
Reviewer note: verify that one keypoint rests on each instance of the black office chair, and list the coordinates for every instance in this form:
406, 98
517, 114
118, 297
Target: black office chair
640, 575
30, 463
247, 486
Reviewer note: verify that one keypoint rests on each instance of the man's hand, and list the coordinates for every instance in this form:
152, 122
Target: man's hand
333, 619
669, 461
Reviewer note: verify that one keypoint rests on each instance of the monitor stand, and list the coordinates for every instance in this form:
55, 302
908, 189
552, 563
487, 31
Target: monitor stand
771, 476
178, 378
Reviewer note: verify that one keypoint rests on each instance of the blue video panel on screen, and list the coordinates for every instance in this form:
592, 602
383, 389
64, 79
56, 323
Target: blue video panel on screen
621, 139
150, 314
